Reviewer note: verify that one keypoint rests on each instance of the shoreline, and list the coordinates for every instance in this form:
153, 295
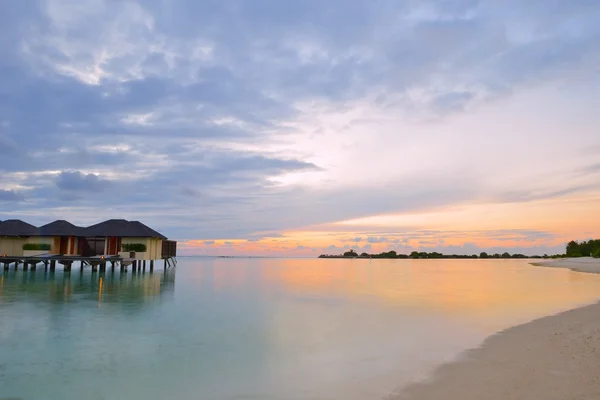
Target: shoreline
583, 264
555, 357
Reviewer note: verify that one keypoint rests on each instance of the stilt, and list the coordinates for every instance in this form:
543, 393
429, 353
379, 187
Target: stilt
81, 266
94, 268
6, 266
16, 266
33, 266
45, 266
53, 265
25, 266
122, 268
151, 267
103, 267
67, 267
112, 266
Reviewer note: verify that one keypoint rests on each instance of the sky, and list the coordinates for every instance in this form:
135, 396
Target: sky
295, 128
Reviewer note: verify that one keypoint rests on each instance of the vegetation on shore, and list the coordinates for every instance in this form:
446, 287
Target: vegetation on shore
590, 248
415, 254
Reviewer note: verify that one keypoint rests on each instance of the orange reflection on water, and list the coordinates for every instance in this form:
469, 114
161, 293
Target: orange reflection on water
489, 289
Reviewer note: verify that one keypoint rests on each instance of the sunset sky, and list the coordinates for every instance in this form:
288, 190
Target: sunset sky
295, 128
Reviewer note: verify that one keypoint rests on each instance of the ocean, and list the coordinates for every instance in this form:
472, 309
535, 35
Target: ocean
264, 329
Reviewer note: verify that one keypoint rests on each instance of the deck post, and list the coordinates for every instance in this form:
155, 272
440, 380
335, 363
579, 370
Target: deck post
33, 266
81, 266
151, 264
45, 266
103, 267
25, 266
52, 265
112, 266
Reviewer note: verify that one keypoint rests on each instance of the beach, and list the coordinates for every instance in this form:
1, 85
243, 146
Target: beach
583, 264
551, 358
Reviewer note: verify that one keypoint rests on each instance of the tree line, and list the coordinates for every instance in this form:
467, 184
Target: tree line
590, 248
422, 254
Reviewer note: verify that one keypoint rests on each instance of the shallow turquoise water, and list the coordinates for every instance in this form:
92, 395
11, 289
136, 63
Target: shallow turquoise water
263, 329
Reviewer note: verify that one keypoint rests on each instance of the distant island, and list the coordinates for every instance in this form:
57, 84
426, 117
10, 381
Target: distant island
574, 249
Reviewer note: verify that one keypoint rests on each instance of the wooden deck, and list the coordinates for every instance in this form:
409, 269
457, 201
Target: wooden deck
95, 262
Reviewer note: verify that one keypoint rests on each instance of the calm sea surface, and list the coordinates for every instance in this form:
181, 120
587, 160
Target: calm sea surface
264, 329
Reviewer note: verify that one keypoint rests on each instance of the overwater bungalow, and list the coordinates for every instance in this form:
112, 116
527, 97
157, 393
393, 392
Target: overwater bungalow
63, 238
124, 238
118, 238
14, 234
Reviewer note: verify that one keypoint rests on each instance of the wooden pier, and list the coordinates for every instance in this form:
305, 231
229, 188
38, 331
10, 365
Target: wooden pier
96, 263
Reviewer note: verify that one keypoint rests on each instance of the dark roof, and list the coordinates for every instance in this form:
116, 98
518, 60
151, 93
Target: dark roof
149, 231
121, 228
16, 227
60, 228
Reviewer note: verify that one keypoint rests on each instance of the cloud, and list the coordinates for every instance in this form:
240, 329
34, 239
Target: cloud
10, 196
239, 120
77, 181
372, 239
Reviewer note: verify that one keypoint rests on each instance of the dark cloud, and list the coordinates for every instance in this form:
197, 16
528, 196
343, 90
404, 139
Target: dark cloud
10, 196
77, 181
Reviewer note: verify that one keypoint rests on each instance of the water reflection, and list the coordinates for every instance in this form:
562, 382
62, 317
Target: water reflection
263, 329
68, 287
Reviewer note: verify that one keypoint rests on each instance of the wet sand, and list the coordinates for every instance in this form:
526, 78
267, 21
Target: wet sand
552, 358
584, 264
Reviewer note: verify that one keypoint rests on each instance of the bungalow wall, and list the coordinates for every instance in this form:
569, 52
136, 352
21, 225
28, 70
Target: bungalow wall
12, 246
67, 245
153, 248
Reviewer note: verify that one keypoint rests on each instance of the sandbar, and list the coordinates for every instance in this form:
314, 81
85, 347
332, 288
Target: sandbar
583, 264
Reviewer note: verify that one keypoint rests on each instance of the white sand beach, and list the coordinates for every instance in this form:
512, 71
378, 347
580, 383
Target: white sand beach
552, 358
583, 264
